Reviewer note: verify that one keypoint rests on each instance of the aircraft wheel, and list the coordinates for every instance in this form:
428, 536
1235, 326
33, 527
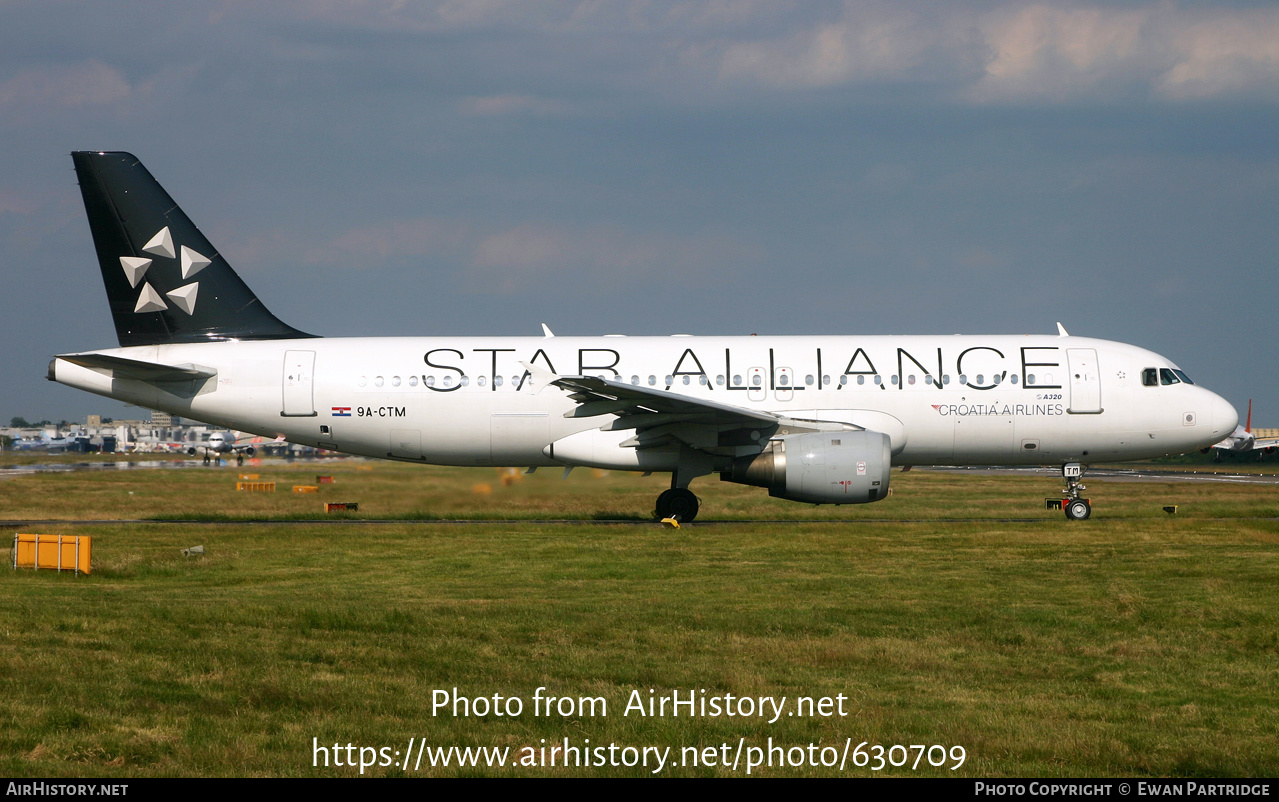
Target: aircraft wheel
239, 459
1078, 510
206, 459
678, 503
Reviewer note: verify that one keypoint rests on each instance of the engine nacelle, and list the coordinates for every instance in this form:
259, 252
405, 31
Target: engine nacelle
820, 467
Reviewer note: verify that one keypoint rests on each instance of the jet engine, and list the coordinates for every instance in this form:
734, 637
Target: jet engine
849, 467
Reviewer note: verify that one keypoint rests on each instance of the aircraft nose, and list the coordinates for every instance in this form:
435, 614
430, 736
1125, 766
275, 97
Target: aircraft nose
1224, 416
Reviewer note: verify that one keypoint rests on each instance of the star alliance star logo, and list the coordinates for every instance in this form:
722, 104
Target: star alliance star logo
135, 269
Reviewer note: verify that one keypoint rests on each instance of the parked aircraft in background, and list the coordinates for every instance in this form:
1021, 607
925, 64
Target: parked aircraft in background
223, 443
817, 419
1243, 441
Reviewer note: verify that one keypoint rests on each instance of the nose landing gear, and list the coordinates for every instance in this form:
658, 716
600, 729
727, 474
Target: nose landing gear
1071, 502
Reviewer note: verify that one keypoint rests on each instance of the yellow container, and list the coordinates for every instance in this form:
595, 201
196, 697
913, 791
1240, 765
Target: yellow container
59, 552
306, 489
256, 487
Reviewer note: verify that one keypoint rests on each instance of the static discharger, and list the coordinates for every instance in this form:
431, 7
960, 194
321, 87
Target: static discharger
57, 552
256, 487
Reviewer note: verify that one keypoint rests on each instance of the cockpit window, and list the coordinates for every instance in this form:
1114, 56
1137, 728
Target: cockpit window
1181, 374
1150, 377
1166, 376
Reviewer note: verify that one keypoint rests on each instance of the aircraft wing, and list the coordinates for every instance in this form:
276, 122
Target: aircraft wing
660, 416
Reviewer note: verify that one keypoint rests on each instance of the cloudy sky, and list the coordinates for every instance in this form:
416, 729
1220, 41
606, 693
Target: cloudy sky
648, 167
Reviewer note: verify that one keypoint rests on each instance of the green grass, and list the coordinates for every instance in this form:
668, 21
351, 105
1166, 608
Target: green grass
1137, 643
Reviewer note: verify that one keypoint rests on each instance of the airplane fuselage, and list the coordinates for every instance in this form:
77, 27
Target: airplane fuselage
942, 400
813, 419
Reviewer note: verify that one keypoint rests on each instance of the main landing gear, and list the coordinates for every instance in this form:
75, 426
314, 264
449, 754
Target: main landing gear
678, 503
1072, 503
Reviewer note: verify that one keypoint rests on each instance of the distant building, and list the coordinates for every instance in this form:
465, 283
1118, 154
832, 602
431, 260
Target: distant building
93, 420
164, 419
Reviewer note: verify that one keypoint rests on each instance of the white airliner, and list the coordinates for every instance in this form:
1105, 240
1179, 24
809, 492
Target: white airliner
223, 443
1243, 441
813, 419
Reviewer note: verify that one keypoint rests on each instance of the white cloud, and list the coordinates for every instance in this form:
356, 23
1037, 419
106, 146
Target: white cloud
504, 105
868, 42
89, 83
393, 241
603, 258
1050, 53
1018, 52
1226, 56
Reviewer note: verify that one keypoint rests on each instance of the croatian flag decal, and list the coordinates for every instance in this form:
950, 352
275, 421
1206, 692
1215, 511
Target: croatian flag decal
341, 412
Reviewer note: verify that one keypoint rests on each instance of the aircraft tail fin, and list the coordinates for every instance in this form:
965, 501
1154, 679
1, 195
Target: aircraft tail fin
165, 282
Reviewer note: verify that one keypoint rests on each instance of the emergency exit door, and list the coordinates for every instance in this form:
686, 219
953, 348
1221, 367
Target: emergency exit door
298, 382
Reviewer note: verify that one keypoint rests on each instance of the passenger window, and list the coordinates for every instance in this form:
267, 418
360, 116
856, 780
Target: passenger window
757, 380
1150, 377
652, 380
720, 380
808, 380
497, 381
861, 379
430, 381
1166, 377
635, 380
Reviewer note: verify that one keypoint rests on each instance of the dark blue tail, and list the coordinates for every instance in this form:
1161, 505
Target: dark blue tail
164, 280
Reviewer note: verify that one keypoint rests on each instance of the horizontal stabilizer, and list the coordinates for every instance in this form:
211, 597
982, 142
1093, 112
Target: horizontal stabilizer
122, 368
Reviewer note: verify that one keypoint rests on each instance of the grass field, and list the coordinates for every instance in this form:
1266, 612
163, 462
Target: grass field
958, 613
